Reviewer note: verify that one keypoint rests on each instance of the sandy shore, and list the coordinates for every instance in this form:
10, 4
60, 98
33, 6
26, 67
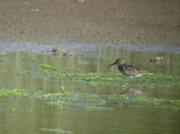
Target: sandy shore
92, 21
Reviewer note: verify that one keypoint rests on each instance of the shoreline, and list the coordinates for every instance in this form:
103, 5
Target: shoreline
46, 48
91, 21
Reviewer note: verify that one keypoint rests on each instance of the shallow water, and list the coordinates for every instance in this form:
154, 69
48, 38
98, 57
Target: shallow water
91, 107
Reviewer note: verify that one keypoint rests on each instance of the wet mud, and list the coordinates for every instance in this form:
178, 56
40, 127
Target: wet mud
91, 21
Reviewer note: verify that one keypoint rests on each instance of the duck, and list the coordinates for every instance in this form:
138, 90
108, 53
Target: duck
128, 70
157, 59
57, 51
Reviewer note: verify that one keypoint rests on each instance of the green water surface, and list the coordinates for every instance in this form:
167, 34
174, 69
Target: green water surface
41, 93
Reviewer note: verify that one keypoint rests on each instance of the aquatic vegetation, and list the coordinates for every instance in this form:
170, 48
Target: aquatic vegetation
13, 93
91, 101
55, 131
60, 92
94, 101
45, 68
6, 58
14, 109
155, 81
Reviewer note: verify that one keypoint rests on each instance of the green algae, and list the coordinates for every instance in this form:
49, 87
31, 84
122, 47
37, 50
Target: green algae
6, 58
91, 101
13, 93
46, 68
155, 81
55, 131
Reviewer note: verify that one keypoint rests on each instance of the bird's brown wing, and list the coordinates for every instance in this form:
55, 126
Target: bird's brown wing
133, 70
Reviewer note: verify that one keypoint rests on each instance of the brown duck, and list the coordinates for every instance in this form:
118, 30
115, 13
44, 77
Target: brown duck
58, 51
128, 70
61, 52
157, 59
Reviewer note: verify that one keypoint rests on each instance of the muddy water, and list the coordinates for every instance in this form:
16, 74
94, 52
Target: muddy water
21, 67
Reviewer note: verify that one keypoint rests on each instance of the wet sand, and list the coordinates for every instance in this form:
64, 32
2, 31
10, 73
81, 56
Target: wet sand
90, 21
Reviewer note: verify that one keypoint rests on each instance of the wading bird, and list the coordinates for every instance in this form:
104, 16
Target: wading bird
128, 70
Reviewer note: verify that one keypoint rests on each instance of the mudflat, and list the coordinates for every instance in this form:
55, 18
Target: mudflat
93, 21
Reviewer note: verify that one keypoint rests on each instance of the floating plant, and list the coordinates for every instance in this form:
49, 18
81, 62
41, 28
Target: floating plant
89, 100
154, 81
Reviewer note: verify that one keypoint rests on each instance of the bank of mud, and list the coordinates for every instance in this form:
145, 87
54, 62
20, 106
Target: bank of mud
91, 21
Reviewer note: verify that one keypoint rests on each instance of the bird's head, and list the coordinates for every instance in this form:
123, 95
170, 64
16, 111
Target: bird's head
119, 61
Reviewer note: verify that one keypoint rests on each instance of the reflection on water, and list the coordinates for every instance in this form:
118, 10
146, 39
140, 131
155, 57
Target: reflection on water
29, 117
21, 70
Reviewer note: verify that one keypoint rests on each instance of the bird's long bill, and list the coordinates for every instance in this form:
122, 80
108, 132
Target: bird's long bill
113, 64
